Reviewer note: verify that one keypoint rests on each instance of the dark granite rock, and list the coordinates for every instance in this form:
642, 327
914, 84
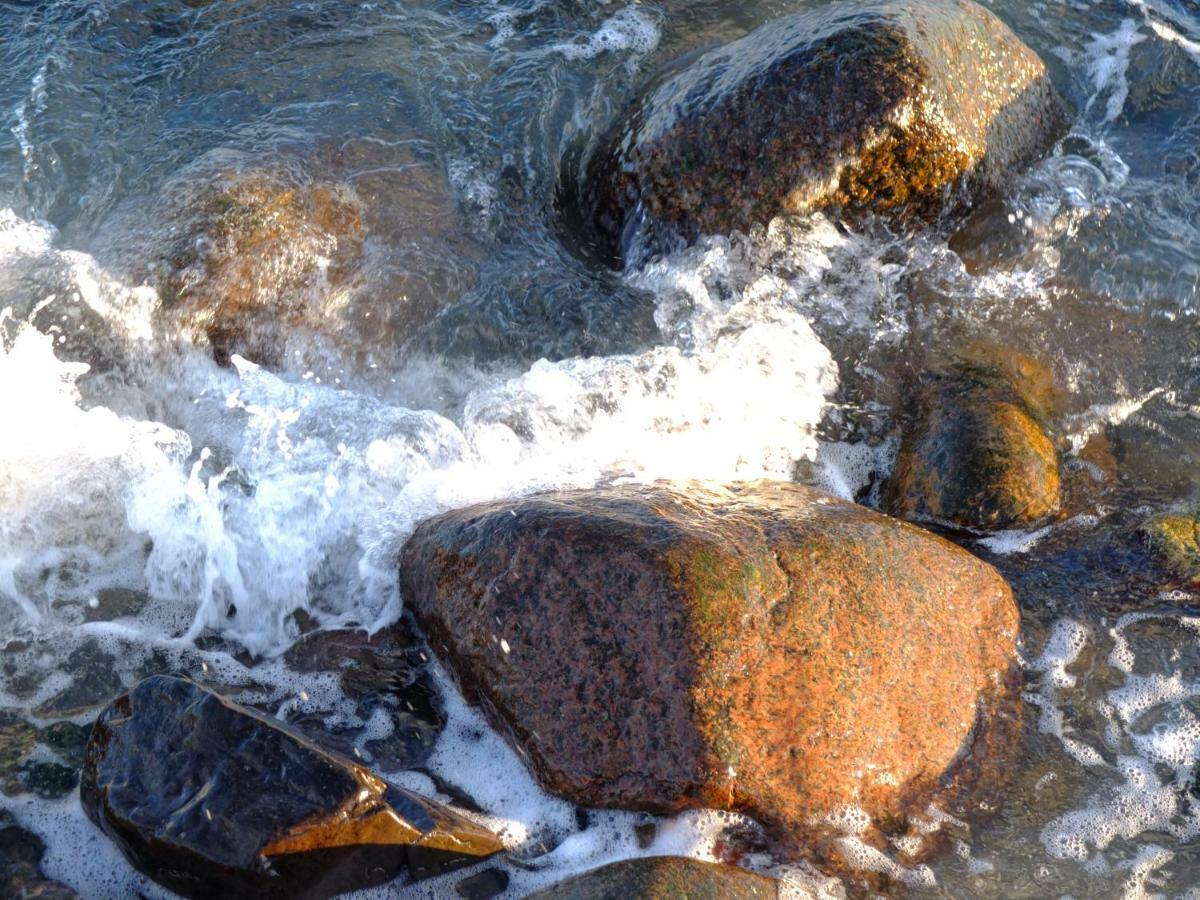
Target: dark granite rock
213, 799
762, 648
903, 108
663, 878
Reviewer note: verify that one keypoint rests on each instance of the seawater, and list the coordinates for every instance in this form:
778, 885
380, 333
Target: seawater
230, 497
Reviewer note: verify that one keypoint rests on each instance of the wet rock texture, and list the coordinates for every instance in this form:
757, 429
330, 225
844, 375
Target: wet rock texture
903, 108
762, 648
212, 799
663, 878
21, 854
1174, 538
359, 245
386, 672
977, 452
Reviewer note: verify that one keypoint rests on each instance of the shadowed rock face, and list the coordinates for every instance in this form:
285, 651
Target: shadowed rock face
663, 878
977, 452
903, 108
212, 799
762, 648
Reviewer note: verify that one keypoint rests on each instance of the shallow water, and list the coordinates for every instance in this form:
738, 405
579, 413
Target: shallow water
164, 512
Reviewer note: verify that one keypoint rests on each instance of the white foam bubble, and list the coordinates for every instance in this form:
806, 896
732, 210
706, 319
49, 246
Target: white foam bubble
1108, 63
633, 30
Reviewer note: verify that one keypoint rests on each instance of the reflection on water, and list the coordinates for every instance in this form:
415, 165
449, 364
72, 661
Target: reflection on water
162, 498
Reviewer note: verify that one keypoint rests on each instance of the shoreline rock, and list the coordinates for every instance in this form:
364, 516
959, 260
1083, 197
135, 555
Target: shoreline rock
976, 452
902, 108
761, 648
210, 798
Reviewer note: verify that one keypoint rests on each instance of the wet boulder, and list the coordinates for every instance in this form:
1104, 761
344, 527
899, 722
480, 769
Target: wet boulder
908, 109
1174, 538
352, 247
663, 878
210, 798
977, 451
762, 648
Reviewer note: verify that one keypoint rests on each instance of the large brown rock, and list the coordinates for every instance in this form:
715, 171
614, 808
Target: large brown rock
212, 799
761, 647
977, 451
903, 107
663, 878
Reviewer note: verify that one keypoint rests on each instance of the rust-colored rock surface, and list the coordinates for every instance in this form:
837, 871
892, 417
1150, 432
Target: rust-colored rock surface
212, 799
760, 647
977, 452
905, 107
663, 878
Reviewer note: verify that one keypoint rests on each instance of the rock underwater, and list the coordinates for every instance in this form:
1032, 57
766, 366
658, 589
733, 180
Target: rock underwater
356, 245
762, 648
902, 107
212, 799
977, 452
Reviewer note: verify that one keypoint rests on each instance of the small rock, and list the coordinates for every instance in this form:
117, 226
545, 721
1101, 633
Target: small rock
904, 108
484, 885
210, 798
762, 648
388, 670
663, 878
17, 738
977, 452
21, 855
1175, 539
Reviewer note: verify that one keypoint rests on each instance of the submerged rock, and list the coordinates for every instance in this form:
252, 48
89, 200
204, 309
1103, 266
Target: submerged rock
387, 671
21, 855
977, 452
761, 648
356, 246
663, 878
212, 799
1175, 539
902, 108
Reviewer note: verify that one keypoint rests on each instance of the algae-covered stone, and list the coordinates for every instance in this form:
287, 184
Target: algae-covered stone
760, 647
977, 452
21, 853
663, 878
903, 108
211, 799
1175, 539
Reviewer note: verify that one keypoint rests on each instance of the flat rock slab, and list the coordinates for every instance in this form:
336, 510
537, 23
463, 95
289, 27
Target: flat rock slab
760, 647
902, 107
212, 799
